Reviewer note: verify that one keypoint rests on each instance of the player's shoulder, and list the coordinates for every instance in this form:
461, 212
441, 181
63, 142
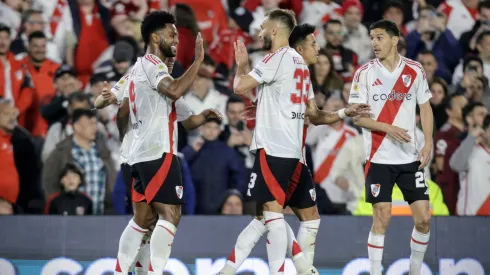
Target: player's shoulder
152, 60
416, 66
276, 56
363, 70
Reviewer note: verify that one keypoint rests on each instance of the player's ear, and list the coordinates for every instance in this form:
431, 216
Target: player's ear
299, 49
155, 38
395, 40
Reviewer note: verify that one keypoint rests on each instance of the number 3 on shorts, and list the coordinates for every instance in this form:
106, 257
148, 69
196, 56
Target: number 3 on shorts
251, 184
419, 180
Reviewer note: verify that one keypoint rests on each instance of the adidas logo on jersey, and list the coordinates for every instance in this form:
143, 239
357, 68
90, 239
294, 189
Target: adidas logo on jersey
377, 82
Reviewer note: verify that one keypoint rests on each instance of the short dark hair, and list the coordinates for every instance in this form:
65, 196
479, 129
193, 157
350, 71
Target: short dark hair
481, 36
79, 113
426, 7
393, 4
75, 168
486, 122
441, 82
208, 60
155, 21
483, 5
299, 34
98, 77
213, 120
233, 99
426, 52
5, 28
332, 21
285, 16
36, 35
470, 58
449, 100
387, 25
469, 108
78, 97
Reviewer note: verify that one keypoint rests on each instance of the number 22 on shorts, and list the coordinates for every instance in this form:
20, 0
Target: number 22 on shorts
251, 184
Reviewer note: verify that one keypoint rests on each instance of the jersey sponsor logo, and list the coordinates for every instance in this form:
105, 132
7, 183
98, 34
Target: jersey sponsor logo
296, 115
179, 190
407, 79
313, 194
375, 188
394, 95
258, 72
116, 87
355, 87
377, 83
121, 82
161, 74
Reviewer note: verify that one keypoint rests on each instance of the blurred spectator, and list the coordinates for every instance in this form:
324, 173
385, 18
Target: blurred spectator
106, 57
42, 71
9, 189
96, 85
233, 203
440, 92
356, 37
124, 12
346, 90
259, 13
345, 61
10, 14
65, 83
474, 91
402, 46
91, 155
468, 39
92, 34
470, 159
15, 83
429, 62
431, 34
326, 141
460, 14
120, 63
6, 208
70, 201
33, 21
318, 12
187, 28
475, 73
323, 76
64, 128
203, 95
294, 5
393, 10
235, 133
213, 176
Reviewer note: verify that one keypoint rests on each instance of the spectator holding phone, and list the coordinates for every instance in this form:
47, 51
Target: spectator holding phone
474, 83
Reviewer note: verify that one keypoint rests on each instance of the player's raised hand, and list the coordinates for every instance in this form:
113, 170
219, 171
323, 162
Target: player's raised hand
199, 51
358, 110
241, 54
211, 113
249, 113
424, 155
398, 134
107, 97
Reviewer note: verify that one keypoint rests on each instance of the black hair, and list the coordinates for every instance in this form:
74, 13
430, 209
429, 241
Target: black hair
75, 168
155, 21
481, 36
426, 7
36, 35
332, 21
213, 119
5, 28
427, 52
285, 16
185, 18
483, 5
441, 82
470, 58
393, 4
469, 108
233, 99
208, 60
299, 34
387, 25
98, 77
486, 122
78, 97
449, 100
79, 113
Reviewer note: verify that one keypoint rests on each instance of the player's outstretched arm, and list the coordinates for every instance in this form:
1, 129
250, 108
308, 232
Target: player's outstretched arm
122, 119
175, 88
319, 117
243, 82
195, 121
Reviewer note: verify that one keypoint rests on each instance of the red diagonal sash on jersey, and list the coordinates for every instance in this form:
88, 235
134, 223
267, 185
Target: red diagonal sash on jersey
389, 112
56, 16
324, 170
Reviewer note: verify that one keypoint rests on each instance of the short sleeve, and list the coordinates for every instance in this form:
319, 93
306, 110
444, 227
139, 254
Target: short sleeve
183, 112
155, 69
423, 91
120, 87
358, 91
266, 70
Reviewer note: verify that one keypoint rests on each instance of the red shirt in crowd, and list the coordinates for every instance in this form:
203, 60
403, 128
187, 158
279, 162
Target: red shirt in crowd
221, 50
9, 184
295, 5
186, 47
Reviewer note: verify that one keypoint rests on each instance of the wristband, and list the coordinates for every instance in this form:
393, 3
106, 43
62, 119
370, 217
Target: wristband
341, 113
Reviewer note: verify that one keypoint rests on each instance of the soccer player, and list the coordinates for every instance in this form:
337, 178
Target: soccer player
301, 195
393, 85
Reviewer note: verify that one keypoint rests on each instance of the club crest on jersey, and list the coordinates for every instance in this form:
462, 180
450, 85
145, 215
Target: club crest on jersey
407, 79
375, 188
313, 194
179, 190
355, 87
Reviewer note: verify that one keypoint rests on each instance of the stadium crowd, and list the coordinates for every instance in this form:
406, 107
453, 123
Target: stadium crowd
58, 156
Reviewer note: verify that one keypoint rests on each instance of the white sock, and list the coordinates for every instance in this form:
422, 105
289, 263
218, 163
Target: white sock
307, 238
375, 250
277, 241
418, 244
301, 263
161, 246
129, 245
244, 245
143, 259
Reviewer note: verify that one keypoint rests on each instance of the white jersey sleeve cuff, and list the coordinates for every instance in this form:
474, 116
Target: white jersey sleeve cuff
160, 79
256, 76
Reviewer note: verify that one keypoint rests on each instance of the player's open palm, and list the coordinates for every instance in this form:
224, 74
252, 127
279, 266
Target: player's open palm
211, 113
398, 134
199, 51
241, 54
107, 94
424, 155
358, 110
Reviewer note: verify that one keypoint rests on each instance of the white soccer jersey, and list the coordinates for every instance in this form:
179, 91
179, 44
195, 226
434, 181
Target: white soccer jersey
119, 90
153, 116
393, 97
281, 103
